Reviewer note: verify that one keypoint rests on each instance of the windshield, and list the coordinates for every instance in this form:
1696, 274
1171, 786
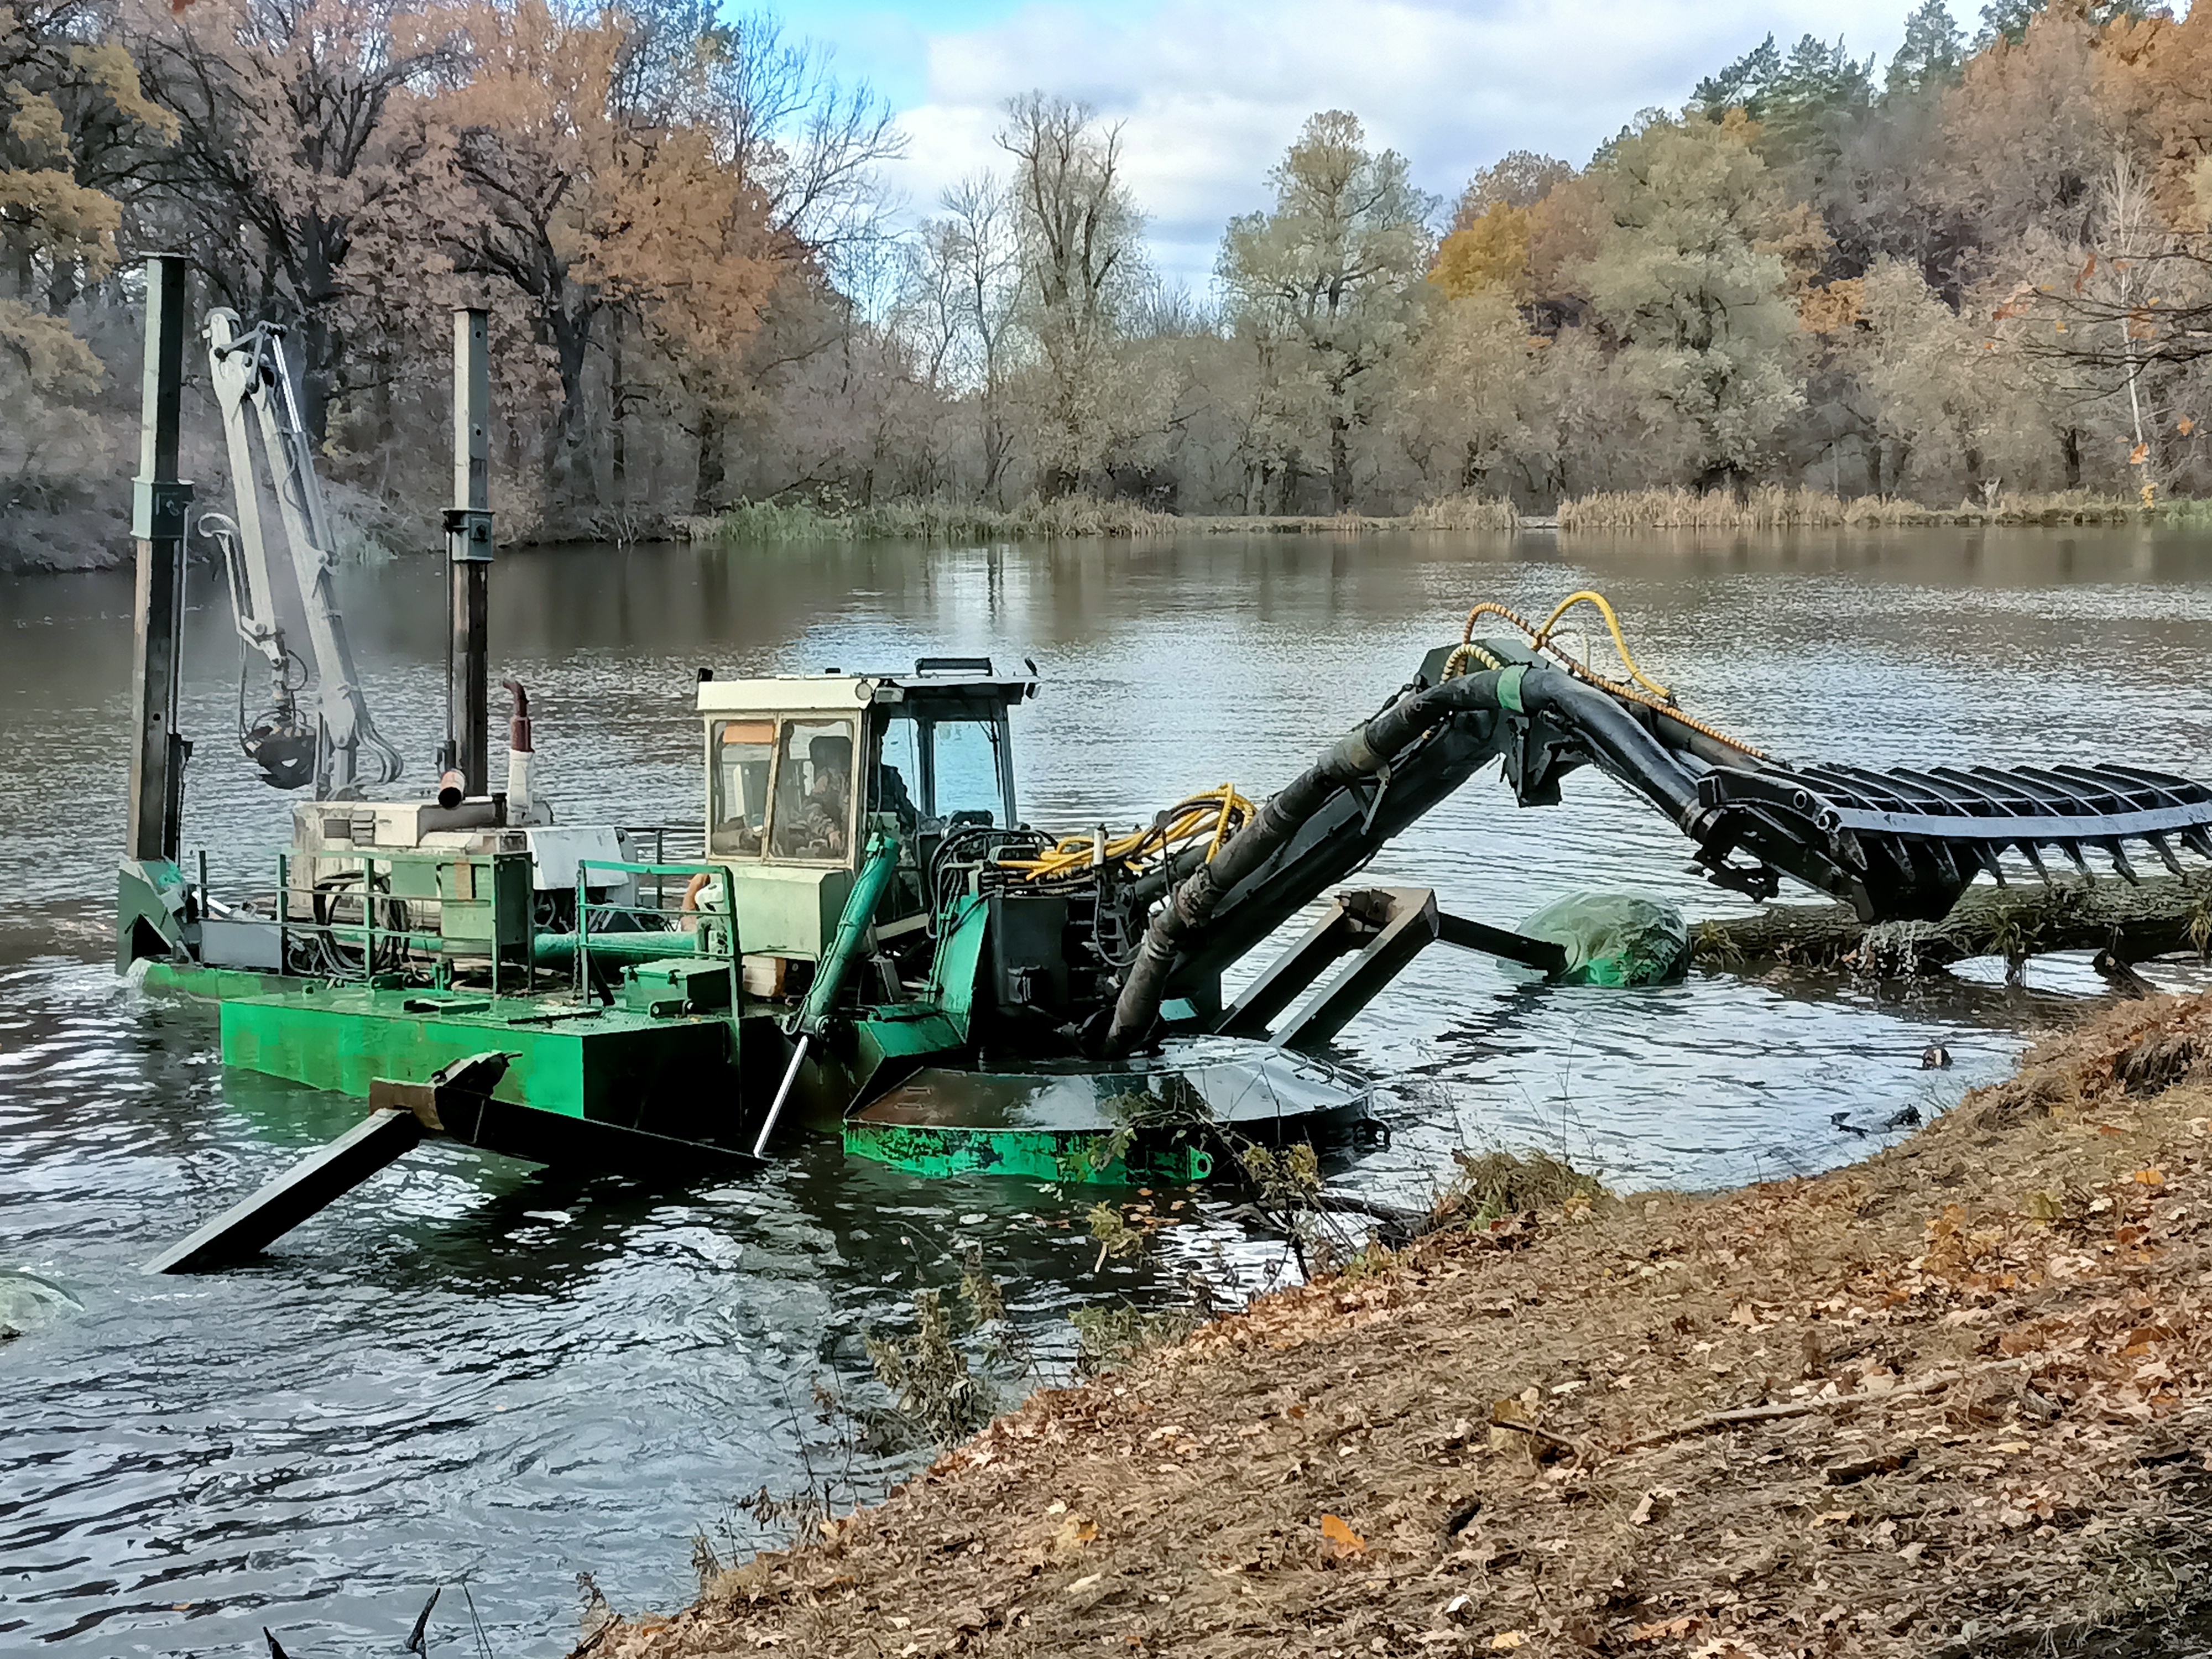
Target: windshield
932, 768
968, 770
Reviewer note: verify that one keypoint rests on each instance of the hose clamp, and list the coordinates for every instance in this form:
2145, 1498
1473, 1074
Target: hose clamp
1509, 688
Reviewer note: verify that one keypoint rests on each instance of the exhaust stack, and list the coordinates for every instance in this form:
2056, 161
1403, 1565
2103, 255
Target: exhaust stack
518, 754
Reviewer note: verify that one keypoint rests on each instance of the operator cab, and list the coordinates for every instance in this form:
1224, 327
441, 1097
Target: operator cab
803, 770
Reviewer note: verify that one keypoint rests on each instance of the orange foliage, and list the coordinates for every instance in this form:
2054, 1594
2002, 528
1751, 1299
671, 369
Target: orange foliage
1565, 230
2156, 79
587, 208
1492, 252
1833, 307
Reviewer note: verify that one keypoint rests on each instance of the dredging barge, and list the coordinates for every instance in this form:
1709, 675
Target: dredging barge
861, 931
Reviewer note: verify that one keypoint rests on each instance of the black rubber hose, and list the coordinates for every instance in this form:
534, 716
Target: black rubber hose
1615, 739
1613, 736
1357, 755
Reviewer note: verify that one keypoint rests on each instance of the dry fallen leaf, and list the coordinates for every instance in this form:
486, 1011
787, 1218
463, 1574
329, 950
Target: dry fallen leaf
1342, 1537
2150, 1177
1507, 1639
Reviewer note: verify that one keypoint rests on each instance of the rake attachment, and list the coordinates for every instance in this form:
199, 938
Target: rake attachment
1902, 844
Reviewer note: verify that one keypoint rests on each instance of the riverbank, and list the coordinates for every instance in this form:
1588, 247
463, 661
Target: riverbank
1069, 518
1955, 1399
1771, 506
1766, 507
90, 537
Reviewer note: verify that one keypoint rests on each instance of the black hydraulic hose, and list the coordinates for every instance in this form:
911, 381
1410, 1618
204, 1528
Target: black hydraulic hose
1616, 741
1357, 755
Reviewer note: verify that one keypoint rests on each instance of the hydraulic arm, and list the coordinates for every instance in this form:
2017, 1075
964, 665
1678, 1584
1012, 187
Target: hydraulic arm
342, 749
1896, 844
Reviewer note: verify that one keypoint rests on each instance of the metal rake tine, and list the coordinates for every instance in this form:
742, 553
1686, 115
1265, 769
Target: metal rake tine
2072, 851
2165, 853
2035, 859
1988, 855
2119, 858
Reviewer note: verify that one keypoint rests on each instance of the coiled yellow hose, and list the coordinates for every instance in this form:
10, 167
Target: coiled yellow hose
1212, 814
1656, 696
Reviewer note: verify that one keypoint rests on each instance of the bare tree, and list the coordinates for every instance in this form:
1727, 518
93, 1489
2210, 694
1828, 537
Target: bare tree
1080, 263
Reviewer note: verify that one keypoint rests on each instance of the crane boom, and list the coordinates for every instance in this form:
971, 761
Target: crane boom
343, 748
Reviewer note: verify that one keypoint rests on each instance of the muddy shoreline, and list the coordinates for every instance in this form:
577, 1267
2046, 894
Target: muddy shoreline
1954, 1399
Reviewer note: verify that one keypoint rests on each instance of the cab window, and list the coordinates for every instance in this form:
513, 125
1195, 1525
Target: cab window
812, 816
897, 787
742, 753
966, 770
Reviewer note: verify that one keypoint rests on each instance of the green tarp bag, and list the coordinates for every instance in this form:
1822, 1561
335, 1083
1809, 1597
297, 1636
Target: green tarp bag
1615, 938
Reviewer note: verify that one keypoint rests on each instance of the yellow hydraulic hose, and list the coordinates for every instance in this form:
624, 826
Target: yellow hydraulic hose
1587, 596
1541, 639
1212, 814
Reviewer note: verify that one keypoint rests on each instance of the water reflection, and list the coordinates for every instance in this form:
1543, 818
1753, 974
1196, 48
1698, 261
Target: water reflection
477, 1368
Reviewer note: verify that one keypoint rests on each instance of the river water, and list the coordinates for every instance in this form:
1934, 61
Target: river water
473, 1373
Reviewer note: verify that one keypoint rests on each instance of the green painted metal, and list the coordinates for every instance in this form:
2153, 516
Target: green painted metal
150, 895
190, 979
559, 950
608, 1065
1069, 1156
964, 931
788, 910
852, 928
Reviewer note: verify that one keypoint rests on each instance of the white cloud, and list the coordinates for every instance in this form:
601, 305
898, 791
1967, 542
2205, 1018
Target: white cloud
1211, 91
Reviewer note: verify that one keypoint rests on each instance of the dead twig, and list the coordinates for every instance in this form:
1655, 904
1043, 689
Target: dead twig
1749, 1416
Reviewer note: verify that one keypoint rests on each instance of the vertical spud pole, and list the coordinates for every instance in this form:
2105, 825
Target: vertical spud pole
469, 553
160, 503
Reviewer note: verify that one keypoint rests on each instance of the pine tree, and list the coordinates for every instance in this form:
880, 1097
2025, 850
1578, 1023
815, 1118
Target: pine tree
1934, 51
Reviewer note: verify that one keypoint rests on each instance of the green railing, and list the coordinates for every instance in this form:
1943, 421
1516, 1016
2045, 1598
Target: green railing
463, 889
712, 937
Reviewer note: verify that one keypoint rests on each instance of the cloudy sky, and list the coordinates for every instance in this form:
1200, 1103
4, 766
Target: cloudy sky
1213, 90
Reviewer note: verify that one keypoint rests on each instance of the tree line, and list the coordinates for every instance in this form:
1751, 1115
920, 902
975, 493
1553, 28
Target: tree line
1981, 267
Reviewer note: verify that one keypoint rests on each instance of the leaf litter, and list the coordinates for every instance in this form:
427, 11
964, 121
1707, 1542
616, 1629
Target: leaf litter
1992, 1342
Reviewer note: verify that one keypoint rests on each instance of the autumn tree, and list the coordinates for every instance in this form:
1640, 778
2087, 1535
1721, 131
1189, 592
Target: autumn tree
1334, 269
294, 131
961, 299
1955, 405
1081, 259
577, 207
74, 120
1519, 179
1685, 283
1461, 398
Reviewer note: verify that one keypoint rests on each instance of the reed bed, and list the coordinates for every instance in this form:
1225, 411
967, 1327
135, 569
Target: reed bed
1068, 518
1768, 507
1465, 513
1771, 506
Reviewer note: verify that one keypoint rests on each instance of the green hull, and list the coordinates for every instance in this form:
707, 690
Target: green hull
674, 1076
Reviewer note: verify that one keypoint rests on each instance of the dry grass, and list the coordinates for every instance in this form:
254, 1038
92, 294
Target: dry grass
1068, 518
1771, 506
1479, 513
1953, 1400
